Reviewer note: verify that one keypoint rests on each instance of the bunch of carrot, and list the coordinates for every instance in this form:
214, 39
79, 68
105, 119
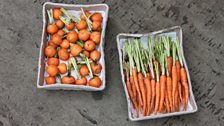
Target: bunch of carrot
73, 45
156, 79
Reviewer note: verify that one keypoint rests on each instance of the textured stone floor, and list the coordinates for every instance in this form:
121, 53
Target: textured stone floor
22, 104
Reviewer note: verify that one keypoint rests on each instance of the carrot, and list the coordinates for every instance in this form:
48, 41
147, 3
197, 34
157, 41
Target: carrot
176, 101
134, 92
178, 78
167, 104
169, 63
157, 100
167, 44
169, 91
162, 78
183, 94
153, 85
183, 77
133, 77
130, 93
148, 94
178, 69
157, 96
142, 89
134, 73
174, 75
128, 84
162, 90
180, 91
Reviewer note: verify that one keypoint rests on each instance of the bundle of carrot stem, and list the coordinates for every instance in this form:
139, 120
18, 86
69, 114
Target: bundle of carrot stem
155, 76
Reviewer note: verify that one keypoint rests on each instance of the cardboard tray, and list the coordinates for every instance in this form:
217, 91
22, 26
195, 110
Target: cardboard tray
76, 10
174, 32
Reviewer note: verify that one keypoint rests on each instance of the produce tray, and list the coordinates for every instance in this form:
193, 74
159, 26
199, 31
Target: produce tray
75, 10
173, 32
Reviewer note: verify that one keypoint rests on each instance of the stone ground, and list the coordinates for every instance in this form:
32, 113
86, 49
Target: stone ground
22, 104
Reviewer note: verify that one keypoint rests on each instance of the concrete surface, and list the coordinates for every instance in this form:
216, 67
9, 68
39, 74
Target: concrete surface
22, 104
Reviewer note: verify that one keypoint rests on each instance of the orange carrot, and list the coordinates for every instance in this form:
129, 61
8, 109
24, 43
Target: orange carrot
162, 91
130, 93
135, 76
157, 88
174, 82
169, 91
176, 101
183, 76
157, 96
174, 75
180, 91
133, 91
183, 94
167, 102
169, 63
142, 89
153, 85
148, 94
178, 69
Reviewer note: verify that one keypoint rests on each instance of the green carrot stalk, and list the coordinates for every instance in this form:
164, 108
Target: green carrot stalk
73, 61
88, 21
162, 63
141, 58
89, 67
69, 15
150, 56
50, 16
136, 55
76, 30
174, 53
179, 52
80, 43
65, 20
83, 62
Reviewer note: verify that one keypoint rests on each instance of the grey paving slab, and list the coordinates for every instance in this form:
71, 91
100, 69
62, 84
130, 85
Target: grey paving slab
22, 104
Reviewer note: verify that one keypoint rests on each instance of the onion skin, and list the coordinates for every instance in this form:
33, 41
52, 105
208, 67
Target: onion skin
95, 55
96, 68
81, 25
82, 81
53, 61
89, 45
52, 70
60, 24
56, 39
50, 80
83, 35
83, 70
72, 36
62, 67
75, 49
68, 80
96, 17
96, 26
63, 54
56, 13
52, 29
50, 51
96, 37
95, 82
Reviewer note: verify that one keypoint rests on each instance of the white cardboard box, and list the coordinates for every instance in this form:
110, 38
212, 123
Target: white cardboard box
76, 10
174, 32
